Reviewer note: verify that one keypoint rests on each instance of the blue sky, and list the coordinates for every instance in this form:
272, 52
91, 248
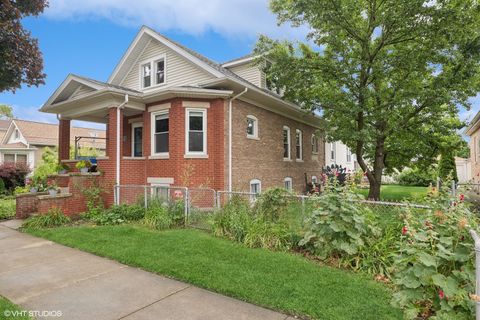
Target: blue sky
89, 37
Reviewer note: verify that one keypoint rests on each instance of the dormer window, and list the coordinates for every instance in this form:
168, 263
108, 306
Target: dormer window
153, 73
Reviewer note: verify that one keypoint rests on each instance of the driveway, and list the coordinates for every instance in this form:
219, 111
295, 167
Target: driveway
46, 277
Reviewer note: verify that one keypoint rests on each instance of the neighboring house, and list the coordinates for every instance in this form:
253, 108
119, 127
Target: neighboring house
464, 169
176, 118
473, 131
24, 141
338, 153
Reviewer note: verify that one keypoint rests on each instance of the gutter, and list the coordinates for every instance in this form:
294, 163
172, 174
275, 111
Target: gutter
117, 160
230, 108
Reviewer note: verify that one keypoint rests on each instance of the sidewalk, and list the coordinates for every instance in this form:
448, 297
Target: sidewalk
44, 276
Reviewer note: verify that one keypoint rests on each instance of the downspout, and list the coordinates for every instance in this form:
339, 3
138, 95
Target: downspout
230, 108
117, 177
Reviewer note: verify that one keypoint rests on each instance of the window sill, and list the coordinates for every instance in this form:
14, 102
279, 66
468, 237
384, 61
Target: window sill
298, 160
253, 138
159, 156
287, 159
195, 156
133, 158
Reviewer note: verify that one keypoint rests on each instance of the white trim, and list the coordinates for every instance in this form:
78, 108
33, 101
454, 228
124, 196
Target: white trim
196, 104
252, 182
160, 155
160, 107
157, 180
300, 134
289, 140
136, 125
135, 120
255, 127
153, 72
289, 180
204, 130
238, 62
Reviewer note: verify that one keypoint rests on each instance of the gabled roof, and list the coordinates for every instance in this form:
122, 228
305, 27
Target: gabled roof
474, 125
46, 134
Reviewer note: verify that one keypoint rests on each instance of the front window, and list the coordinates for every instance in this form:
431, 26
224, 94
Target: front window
255, 189
9, 158
160, 132
288, 183
298, 144
196, 131
137, 140
146, 75
286, 143
160, 71
314, 144
252, 127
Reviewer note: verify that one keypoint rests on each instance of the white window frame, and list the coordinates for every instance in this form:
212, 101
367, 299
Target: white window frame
152, 133
314, 179
27, 162
153, 72
255, 127
253, 197
314, 141
286, 181
300, 135
198, 154
349, 155
289, 141
332, 151
137, 125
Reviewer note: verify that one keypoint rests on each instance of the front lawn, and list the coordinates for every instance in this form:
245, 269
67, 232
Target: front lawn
7, 208
9, 310
278, 280
395, 192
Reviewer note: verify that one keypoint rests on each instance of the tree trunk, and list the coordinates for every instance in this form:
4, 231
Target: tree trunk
374, 191
375, 179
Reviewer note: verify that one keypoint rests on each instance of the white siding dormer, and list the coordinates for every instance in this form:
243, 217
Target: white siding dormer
178, 70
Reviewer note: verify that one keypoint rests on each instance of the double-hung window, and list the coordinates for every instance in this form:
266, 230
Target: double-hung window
252, 127
153, 73
160, 133
196, 132
255, 189
349, 155
332, 151
299, 144
286, 143
314, 144
288, 183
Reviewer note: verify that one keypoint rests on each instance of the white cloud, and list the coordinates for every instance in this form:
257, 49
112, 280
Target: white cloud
244, 18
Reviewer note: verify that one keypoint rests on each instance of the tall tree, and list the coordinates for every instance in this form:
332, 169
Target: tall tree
20, 58
6, 111
387, 75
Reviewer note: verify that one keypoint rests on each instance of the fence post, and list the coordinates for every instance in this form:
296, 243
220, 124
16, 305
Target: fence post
476, 240
187, 205
145, 196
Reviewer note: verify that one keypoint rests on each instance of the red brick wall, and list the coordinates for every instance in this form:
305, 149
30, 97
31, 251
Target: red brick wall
64, 140
25, 205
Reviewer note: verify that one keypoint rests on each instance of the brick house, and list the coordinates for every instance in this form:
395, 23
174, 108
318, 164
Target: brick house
473, 131
176, 118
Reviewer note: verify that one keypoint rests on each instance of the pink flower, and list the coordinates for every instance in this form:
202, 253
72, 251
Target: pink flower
441, 294
462, 197
404, 230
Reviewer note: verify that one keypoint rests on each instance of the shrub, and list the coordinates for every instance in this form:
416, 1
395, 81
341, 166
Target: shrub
337, 226
161, 215
7, 208
13, 174
272, 204
2, 186
115, 214
417, 177
447, 169
435, 266
54, 218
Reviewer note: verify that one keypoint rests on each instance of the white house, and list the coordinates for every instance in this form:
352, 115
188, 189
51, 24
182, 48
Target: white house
338, 153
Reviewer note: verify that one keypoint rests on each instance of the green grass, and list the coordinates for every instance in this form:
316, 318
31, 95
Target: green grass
277, 280
394, 192
7, 208
8, 309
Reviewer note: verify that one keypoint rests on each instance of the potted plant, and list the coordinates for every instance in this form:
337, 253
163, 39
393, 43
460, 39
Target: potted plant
30, 185
83, 166
52, 188
63, 168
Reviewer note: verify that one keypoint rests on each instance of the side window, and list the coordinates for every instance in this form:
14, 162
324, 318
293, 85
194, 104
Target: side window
314, 144
288, 184
255, 188
196, 131
286, 143
252, 127
299, 144
146, 75
160, 133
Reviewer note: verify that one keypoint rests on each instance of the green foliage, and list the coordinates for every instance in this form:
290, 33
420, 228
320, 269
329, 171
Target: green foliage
388, 76
161, 215
434, 271
54, 218
266, 225
417, 177
115, 214
93, 193
447, 169
83, 164
7, 208
20, 190
337, 225
6, 111
48, 165
2, 186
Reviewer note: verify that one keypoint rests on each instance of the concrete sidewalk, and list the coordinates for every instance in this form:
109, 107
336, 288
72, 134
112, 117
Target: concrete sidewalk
41, 275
